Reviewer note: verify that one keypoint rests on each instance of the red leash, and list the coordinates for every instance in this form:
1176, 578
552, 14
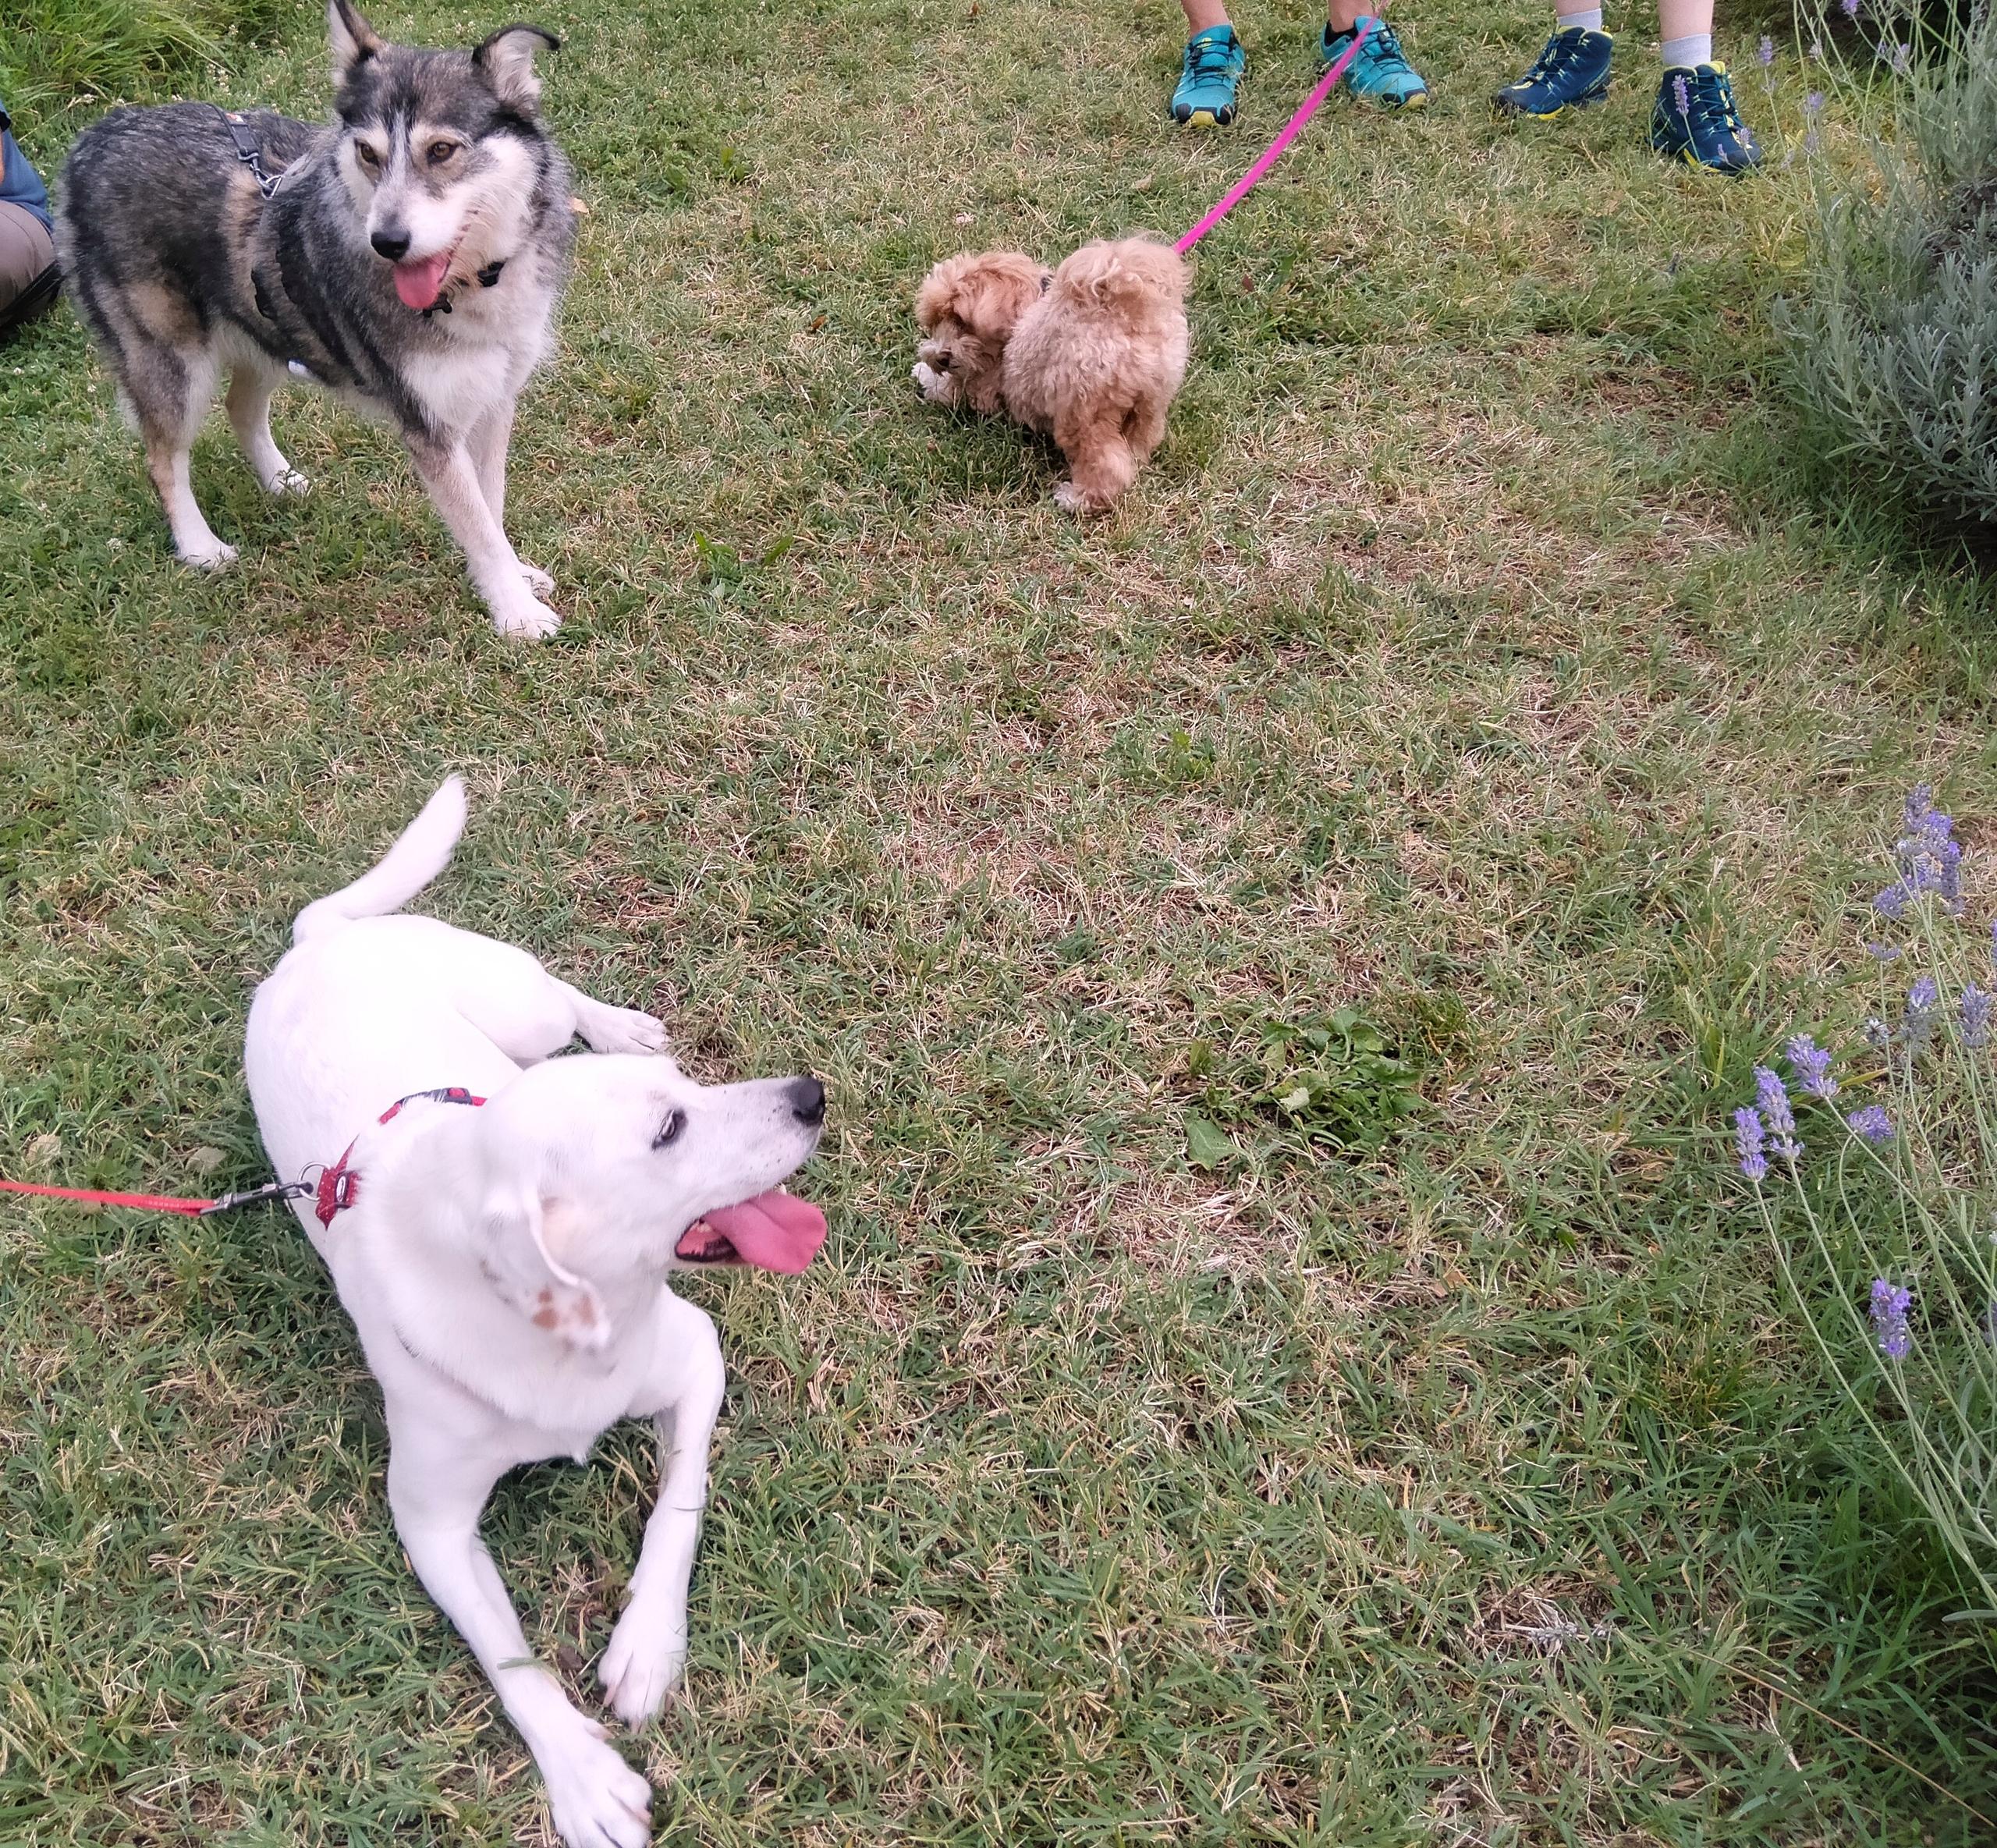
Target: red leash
163, 1203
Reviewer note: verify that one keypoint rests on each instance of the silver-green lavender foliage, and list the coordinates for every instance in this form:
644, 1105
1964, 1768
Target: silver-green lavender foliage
1893, 344
1883, 1215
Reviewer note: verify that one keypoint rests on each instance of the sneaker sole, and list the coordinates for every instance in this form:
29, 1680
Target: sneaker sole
1507, 112
1204, 119
1418, 100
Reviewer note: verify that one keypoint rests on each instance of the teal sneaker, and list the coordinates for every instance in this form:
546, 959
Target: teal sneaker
1381, 73
1215, 62
1694, 121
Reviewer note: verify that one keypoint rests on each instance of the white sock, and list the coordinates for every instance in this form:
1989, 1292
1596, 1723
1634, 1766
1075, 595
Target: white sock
1695, 49
1566, 22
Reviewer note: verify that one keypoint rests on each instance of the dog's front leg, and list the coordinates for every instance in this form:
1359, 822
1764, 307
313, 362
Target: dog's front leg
647, 1653
448, 472
435, 1494
490, 438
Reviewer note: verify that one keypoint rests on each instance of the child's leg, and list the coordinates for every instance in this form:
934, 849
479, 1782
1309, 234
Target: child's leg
1687, 28
1211, 71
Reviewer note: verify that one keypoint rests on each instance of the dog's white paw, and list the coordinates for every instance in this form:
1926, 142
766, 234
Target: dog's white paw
646, 1661
210, 557
537, 580
529, 619
1071, 499
932, 384
624, 1030
289, 481
597, 1799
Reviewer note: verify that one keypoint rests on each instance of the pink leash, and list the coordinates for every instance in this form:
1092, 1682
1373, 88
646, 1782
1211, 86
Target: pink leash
1271, 155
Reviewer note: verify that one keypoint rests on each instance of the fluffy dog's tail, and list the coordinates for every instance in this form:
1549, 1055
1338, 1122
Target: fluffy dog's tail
421, 852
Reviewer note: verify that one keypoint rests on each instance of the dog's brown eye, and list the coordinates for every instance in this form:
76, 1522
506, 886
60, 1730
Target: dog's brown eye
669, 1131
365, 155
441, 151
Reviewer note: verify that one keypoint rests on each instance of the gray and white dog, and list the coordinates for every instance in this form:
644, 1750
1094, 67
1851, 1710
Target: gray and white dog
409, 256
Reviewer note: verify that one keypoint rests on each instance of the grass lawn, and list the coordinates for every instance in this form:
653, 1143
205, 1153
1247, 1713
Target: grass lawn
1142, 1462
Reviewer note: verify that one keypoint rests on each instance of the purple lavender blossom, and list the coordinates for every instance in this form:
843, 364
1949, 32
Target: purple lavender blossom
1903, 60
1813, 104
1974, 1016
1922, 997
1879, 952
1817, 57
1765, 51
1811, 1063
1928, 856
1773, 1098
1878, 1034
1888, 1309
1850, 8
1872, 1125
1811, 141
1917, 1027
1748, 1141
1682, 96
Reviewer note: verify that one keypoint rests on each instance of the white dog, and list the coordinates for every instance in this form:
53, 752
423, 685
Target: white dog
505, 1264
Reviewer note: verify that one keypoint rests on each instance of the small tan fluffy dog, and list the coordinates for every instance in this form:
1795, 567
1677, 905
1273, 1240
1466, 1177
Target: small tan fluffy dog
1092, 353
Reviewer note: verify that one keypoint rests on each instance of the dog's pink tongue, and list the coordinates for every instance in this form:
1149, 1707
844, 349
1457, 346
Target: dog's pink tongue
418, 283
778, 1232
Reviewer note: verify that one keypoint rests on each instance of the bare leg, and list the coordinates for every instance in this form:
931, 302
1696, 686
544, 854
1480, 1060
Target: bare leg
249, 416
646, 1657
1201, 14
454, 487
436, 1495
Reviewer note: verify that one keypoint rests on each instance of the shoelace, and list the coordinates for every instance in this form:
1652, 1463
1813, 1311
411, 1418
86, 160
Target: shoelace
1711, 104
1381, 48
1561, 51
1210, 56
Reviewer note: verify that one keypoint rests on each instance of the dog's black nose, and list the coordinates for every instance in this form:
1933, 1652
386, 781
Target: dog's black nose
807, 1101
394, 245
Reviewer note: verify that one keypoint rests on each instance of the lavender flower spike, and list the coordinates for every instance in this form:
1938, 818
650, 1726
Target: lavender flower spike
1975, 1017
1850, 8
1888, 1310
1765, 51
1812, 1066
1682, 96
1748, 1141
1872, 1125
1781, 1120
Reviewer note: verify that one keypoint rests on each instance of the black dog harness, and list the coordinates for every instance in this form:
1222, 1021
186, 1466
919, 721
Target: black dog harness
246, 149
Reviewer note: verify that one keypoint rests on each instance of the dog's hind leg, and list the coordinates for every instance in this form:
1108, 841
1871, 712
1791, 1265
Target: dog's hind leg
1101, 463
436, 1493
647, 1653
169, 390
448, 473
249, 391
529, 1014
490, 438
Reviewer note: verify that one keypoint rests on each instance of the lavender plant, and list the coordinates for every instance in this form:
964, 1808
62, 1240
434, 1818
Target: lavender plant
1893, 341
1883, 1212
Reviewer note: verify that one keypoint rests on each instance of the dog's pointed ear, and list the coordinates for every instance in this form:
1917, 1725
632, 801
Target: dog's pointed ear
354, 42
506, 62
529, 1277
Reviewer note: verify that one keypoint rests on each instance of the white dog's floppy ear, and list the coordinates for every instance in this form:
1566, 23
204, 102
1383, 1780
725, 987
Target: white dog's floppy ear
506, 59
353, 39
528, 1276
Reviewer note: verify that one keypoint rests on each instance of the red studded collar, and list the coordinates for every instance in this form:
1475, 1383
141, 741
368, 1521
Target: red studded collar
339, 1185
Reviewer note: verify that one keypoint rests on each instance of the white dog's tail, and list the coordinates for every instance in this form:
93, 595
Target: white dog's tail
421, 852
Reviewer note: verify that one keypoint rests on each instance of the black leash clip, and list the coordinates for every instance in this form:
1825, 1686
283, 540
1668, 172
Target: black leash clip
255, 1196
246, 149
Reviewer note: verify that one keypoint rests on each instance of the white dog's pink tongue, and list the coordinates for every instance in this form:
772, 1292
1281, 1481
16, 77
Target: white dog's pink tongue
418, 283
778, 1232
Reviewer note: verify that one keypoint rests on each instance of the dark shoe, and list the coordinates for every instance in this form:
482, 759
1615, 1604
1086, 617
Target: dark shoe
1572, 73
1695, 121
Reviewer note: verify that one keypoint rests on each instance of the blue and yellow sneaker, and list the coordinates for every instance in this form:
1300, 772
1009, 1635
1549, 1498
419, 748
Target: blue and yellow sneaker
1381, 73
1695, 121
1572, 73
1215, 62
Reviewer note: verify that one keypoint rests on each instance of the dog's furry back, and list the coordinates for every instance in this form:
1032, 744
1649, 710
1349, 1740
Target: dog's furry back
1109, 336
